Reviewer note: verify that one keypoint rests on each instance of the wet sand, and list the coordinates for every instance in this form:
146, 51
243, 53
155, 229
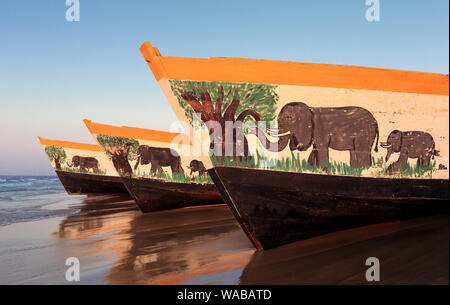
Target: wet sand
410, 252
116, 244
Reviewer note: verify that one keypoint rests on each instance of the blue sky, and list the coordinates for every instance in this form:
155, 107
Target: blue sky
54, 73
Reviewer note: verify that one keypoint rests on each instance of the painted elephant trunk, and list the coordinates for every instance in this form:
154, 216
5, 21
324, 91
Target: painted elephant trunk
137, 163
389, 149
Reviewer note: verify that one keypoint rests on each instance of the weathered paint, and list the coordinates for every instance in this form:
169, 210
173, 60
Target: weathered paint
398, 100
148, 138
157, 167
83, 150
82, 168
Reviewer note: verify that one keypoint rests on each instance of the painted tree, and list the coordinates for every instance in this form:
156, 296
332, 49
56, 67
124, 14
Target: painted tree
226, 102
57, 154
121, 150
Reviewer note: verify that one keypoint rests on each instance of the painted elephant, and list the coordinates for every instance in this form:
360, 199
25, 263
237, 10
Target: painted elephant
410, 144
341, 128
197, 166
84, 163
159, 157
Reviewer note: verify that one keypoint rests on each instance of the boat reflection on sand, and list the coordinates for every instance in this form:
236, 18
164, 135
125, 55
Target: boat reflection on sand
191, 245
410, 252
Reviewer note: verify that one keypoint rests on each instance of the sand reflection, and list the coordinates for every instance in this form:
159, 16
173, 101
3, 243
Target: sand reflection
192, 245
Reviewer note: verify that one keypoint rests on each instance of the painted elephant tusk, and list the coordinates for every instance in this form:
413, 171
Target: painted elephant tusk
385, 145
279, 134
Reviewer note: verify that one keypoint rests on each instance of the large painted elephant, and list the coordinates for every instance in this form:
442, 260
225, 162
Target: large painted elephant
410, 144
159, 157
84, 163
197, 166
340, 128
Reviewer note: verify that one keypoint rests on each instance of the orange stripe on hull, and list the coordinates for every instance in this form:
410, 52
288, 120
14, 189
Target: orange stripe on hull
67, 144
258, 71
132, 132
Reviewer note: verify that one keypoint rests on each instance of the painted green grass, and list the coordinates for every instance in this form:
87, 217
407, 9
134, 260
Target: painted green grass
408, 171
290, 164
250, 162
80, 171
175, 177
419, 171
294, 163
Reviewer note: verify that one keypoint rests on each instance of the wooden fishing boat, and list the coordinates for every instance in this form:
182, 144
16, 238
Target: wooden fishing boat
158, 168
305, 157
82, 168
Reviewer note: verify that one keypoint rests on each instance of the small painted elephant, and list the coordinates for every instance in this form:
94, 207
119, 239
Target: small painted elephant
84, 163
159, 157
410, 144
197, 166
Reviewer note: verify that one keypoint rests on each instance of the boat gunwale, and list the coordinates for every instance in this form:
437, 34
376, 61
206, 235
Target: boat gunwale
69, 144
135, 133
262, 71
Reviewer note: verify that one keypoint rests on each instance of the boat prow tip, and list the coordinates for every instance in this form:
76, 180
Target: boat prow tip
151, 55
149, 51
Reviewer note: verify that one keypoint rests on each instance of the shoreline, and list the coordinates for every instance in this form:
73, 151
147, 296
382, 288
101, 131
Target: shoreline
117, 244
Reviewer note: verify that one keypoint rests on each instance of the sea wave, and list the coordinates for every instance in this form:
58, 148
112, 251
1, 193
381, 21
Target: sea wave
22, 198
31, 184
7, 198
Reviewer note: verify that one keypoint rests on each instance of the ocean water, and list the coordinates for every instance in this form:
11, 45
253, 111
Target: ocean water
24, 198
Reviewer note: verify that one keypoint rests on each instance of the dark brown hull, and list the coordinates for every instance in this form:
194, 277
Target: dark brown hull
276, 208
155, 195
77, 183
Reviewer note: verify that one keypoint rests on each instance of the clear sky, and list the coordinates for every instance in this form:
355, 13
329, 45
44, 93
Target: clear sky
54, 73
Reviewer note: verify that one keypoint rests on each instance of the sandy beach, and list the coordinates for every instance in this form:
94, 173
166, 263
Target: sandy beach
117, 244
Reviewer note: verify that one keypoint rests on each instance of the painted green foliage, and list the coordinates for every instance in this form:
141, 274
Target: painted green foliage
222, 102
57, 154
121, 150
260, 98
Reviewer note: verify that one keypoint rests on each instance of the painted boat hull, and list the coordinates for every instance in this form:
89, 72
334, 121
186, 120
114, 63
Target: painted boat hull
276, 208
85, 184
156, 195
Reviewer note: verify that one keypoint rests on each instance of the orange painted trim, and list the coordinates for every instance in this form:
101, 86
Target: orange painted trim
241, 70
133, 132
67, 144
152, 55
